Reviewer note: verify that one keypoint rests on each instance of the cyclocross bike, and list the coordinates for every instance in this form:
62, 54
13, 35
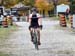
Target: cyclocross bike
35, 37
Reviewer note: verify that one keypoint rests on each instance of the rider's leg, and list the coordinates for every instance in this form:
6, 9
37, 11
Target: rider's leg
38, 30
31, 34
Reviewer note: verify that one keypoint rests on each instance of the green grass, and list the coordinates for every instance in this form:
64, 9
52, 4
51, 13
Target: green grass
3, 54
5, 32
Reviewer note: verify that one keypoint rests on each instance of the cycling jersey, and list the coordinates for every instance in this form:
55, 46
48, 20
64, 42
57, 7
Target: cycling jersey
34, 20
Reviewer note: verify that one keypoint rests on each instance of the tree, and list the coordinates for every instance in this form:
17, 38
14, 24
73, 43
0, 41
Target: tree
9, 3
63, 2
41, 4
29, 2
44, 6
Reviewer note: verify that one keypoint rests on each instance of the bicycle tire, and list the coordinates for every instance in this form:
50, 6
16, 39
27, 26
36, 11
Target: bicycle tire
35, 41
36, 46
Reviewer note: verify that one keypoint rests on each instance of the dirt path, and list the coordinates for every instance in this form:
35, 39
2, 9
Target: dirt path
54, 42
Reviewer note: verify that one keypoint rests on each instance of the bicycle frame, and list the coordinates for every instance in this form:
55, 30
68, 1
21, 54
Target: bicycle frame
35, 39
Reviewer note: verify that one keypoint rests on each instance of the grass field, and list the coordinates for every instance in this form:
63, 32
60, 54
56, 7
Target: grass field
3, 54
5, 32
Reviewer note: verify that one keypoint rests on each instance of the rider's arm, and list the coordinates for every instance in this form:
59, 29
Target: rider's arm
40, 22
30, 19
40, 19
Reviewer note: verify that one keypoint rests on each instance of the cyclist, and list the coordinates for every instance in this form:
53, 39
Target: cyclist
35, 21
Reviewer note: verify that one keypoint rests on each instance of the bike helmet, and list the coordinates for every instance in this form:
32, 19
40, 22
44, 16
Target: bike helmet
34, 10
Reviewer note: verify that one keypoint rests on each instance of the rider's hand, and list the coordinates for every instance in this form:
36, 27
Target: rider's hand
40, 26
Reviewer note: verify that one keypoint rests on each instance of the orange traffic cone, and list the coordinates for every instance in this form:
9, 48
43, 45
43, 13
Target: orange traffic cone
71, 21
62, 20
4, 23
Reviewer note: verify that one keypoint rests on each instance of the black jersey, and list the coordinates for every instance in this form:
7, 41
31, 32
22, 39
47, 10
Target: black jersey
34, 21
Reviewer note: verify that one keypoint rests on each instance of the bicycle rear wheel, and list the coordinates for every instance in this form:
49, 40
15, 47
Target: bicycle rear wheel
35, 41
36, 44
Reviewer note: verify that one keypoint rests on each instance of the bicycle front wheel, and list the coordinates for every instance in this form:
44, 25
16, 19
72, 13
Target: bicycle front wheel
36, 46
